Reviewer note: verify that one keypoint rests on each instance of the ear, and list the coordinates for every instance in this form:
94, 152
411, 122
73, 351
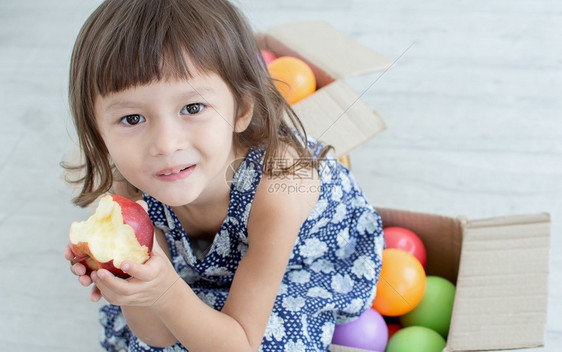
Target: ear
244, 116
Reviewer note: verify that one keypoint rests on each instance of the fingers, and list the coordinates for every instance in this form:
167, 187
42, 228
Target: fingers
114, 289
143, 288
138, 271
150, 269
105, 280
78, 269
95, 295
85, 280
68, 255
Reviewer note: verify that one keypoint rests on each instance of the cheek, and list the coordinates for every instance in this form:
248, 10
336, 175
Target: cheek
110, 143
218, 135
132, 172
125, 159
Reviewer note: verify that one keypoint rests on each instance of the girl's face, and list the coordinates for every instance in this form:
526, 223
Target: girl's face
173, 139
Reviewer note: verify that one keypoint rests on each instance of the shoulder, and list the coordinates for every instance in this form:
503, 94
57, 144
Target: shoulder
286, 198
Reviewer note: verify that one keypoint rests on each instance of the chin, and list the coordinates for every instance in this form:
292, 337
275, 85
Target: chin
177, 200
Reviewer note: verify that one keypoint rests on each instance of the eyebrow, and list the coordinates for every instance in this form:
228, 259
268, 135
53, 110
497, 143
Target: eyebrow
188, 94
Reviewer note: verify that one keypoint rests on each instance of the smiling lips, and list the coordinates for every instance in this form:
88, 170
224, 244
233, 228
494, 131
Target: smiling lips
176, 173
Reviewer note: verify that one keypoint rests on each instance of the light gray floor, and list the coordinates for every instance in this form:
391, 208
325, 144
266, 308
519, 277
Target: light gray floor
474, 128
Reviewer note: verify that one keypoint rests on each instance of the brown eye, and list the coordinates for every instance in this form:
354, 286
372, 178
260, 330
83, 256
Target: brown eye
191, 109
132, 120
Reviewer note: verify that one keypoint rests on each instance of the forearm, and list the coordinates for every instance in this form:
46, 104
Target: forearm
196, 325
147, 326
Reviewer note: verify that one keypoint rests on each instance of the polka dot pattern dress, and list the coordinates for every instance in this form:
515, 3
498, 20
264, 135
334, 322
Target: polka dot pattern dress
330, 279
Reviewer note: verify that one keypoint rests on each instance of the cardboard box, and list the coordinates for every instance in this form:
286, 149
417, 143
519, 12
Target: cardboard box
334, 113
500, 268
499, 265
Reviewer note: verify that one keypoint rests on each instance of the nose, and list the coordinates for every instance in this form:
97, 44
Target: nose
168, 136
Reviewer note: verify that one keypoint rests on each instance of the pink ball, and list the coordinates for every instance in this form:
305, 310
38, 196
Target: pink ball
406, 240
368, 332
267, 56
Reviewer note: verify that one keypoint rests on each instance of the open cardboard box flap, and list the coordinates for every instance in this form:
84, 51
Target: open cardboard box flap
502, 285
320, 44
333, 114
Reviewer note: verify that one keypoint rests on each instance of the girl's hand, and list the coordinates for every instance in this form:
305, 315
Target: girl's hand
148, 281
144, 280
80, 271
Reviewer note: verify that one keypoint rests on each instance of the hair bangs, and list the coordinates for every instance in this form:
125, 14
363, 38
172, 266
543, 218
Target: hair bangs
143, 53
155, 40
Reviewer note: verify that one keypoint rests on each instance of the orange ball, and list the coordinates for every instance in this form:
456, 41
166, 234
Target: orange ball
293, 78
401, 284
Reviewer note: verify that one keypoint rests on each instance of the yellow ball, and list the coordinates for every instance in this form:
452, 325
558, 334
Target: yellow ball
401, 283
293, 78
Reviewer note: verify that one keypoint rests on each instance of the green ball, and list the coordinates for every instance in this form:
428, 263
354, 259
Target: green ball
436, 307
416, 338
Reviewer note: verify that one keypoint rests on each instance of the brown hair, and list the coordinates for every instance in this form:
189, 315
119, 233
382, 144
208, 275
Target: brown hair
127, 43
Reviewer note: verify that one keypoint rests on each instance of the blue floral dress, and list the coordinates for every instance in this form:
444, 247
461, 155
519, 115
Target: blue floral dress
330, 279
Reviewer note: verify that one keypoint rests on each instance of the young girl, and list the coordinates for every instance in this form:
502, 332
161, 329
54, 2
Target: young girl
262, 242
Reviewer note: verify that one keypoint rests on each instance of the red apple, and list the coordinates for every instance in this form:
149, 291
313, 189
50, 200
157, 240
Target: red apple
119, 230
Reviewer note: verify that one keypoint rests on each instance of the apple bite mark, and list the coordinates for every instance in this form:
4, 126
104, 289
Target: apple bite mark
119, 230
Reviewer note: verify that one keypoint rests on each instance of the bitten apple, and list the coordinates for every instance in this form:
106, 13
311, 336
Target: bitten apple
119, 230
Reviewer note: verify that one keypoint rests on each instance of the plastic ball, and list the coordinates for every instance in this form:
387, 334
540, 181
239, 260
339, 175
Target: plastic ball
293, 78
392, 329
402, 238
436, 307
401, 284
267, 56
416, 338
368, 332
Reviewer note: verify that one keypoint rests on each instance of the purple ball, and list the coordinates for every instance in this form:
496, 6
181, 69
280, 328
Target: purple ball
368, 332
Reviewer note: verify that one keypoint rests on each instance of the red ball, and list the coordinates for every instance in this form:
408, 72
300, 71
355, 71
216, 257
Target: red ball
392, 329
406, 240
267, 56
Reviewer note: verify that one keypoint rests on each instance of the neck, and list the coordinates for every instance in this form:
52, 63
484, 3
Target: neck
204, 217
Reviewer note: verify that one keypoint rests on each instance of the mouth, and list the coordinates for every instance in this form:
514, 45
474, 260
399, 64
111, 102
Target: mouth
175, 173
